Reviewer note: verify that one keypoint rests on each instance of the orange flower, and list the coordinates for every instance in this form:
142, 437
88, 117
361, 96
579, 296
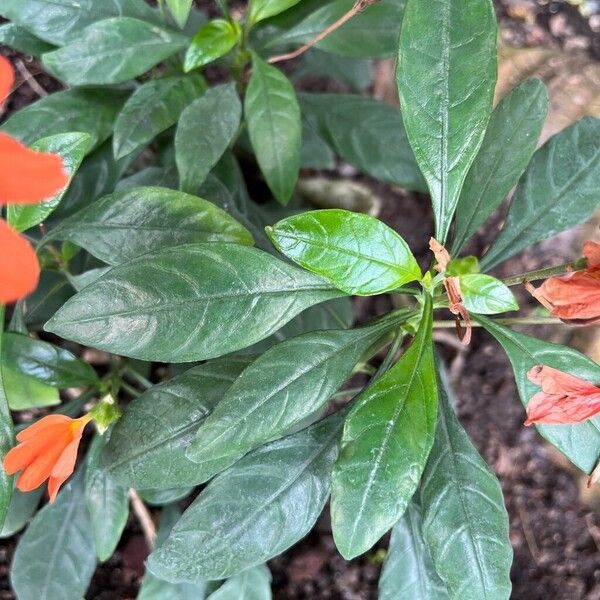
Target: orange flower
46, 450
452, 285
26, 177
574, 298
564, 398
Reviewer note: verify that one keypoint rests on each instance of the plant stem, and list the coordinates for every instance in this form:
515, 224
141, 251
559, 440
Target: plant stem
138, 378
507, 321
144, 518
545, 273
130, 389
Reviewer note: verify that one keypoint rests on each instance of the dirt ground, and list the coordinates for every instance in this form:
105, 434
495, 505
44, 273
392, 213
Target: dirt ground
554, 527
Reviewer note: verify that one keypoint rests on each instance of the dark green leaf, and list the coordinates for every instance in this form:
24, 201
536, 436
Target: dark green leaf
273, 119
359, 254
446, 79
52, 292
465, 524
72, 147
508, 145
89, 111
408, 571
387, 438
263, 9
278, 390
58, 21
153, 108
24, 392
314, 152
252, 584
22, 507
234, 295
580, 442
486, 295
366, 133
162, 497
55, 558
84, 279
20, 39
106, 502
214, 39
6, 432
113, 51
180, 9
126, 224
47, 363
559, 190
255, 510
147, 445
206, 128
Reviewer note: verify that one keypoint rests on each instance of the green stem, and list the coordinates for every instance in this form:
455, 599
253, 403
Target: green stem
389, 357
507, 321
138, 378
545, 273
74, 407
130, 389
348, 392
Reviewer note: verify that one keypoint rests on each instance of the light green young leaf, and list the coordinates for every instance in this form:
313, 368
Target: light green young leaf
153, 108
235, 296
387, 438
278, 390
147, 445
508, 145
20, 39
465, 524
446, 79
113, 51
205, 130
55, 557
127, 224
263, 9
180, 9
24, 392
255, 510
252, 584
486, 295
273, 119
408, 571
72, 147
359, 254
559, 190
213, 40
106, 501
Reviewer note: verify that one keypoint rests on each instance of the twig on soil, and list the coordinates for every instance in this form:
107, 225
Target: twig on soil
448, 324
143, 516
529, 535
358, 6
29, 79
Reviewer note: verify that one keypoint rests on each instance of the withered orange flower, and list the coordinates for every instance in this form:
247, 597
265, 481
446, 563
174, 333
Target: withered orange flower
452, 286
563, 399
46, 450
575, 297
26, 177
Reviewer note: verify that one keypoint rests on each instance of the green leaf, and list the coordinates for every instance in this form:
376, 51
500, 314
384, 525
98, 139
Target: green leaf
147, 445
20, 39
580, 442
252, 584
467, 265
45, 362
89, 111
359, 254
106, 501
387, 438
559, 190
52, 292
24, 392
126, 224
263, 9
6, 430
465, 524
273, 119
72, 147
22, 507
255, 510
508, 145
213, 40
113, 51
180, 9
278, 390
446, 79
153, 108
366, 133
162, 497
372, 33
205, 130
234, 295
486, 295
55, 557
58, 21
408, 571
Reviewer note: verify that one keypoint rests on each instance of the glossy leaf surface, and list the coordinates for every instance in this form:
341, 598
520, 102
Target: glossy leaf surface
446, 80
20, 39
6, 433
359, 254
180, 9
486, 295
22, 507
263, 9
24, 392
213, 40
252, 584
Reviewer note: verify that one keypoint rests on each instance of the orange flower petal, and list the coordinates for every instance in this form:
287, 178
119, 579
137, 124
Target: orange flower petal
28, 176
36, 428
7, 79
19, 268
20, 456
